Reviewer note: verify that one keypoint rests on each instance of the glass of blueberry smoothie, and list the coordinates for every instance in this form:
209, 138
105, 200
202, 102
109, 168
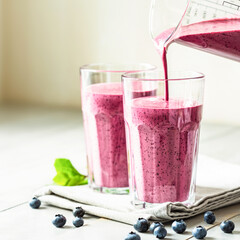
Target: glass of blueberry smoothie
102, 106
162, 133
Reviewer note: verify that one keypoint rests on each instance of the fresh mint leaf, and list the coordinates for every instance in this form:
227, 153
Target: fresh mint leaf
67, 175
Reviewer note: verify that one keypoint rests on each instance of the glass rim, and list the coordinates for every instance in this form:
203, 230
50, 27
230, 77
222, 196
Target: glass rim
196, 76
111, 67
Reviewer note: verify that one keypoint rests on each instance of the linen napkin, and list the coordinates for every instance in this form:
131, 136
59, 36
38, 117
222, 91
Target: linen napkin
119, 207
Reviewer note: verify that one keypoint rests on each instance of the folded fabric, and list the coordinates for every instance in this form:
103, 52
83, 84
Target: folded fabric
119, 207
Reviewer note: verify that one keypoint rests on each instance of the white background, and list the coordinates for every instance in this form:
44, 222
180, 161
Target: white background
44, 42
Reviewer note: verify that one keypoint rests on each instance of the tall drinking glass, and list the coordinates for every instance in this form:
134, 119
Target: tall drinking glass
163, 136
102, 106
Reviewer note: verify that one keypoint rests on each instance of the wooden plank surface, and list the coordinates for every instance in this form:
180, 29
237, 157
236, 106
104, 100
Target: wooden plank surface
32, 137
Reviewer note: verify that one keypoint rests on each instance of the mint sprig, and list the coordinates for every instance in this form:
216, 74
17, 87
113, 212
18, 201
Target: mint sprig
67, 175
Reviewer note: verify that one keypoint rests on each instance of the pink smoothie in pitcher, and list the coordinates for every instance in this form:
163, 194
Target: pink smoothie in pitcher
219, 36
164, 140
105, 134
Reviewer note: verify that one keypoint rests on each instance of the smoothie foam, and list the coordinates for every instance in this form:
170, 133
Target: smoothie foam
164, 138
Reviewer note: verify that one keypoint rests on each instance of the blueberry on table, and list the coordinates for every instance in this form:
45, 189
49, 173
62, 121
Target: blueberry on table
133, 236
142, 225
160, 232
199, 232
78, 222
154, 225
209, 217
35, 203
227, 226
78, 212
179, 226
59, 220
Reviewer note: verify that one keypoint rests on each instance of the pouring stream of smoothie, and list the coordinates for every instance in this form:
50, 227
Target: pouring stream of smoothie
219, 36
165, 131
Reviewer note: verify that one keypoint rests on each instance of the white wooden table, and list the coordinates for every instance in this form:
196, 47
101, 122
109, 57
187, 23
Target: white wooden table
30, 140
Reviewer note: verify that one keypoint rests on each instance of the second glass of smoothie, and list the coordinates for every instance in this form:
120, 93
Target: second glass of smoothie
163, 135
102, 106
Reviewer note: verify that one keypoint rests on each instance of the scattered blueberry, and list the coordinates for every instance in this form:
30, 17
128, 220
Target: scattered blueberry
78, 222
59, 220
179, 226
35, 203
78, 212
160, 232
142, 225
209, 217
199, 232
227, 226
154, 225
133, 236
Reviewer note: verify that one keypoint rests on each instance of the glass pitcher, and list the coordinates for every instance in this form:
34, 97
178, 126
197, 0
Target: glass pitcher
209, 25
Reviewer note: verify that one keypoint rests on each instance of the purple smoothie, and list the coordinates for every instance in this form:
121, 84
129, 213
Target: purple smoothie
219, 36
164, 140
105, 134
